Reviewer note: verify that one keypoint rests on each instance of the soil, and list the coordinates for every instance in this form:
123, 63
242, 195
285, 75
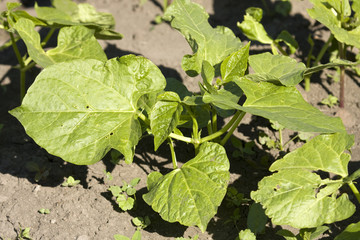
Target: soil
87, 211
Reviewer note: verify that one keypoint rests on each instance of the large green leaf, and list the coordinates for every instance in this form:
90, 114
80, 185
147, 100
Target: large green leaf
81, 109
279, 103
285, 69
191, 194
75, 42
207, 43
299, 198
324, 13
165, 116
68, 13
323, 153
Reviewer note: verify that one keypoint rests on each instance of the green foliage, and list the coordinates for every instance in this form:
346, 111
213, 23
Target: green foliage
200, 183
104, 104
295, 185
70, 182
125, 195
352, 232
191, 20
77, 42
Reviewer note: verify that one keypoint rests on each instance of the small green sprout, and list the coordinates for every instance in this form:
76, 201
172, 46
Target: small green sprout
140, 222
108, 176
330, 101
70, 182
44, 211
24, 234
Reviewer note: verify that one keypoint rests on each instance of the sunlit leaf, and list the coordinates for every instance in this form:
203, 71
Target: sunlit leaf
93, 109
192, 193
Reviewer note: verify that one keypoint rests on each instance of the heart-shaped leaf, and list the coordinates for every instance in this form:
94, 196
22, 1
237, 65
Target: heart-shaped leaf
81, 113
191, 194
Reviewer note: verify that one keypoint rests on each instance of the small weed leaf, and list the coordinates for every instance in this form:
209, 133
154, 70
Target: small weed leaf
254, 30
100, 114
207, 43
194, 191
295, 185
70, 182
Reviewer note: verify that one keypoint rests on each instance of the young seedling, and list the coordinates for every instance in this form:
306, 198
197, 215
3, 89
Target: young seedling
140, 224
24, 234
189, 238
330, 101
44, 211
125, 195
70, 182
41, 172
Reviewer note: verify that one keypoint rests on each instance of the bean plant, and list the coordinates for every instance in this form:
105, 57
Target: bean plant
102, 104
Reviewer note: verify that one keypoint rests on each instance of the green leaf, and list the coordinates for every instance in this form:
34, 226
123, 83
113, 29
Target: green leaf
120, 237
165, 116
256, 13
207, 43
69, 14
115, 190
12, 5
235, 65
351, 232
285, 69
137, 235
191, 194
254, 30
73, 43
124, 202
324, 152
297, 197
323, 12
286, 234
286, 37
207, 74
246, 235
93, 109
290, 198
256, 219
282, 104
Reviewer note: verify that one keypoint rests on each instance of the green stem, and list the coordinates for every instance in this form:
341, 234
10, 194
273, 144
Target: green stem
22, 65
323, 50
196, 135
355, 190
290, 140
281, 140
233, 127
181, 138
48, 36
342, 53
214, 120
221, 131
278, 47
173, 155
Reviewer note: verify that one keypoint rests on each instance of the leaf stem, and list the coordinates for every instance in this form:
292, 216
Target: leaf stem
48, 36
355, 190
233, 127
173, 155
22, 65
323, 50
223, 130
281, 140
342, 53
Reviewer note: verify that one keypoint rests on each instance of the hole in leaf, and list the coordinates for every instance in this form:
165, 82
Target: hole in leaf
87, 106
111, 134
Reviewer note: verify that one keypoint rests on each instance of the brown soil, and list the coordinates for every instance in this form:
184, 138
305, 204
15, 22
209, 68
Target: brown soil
87, 211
